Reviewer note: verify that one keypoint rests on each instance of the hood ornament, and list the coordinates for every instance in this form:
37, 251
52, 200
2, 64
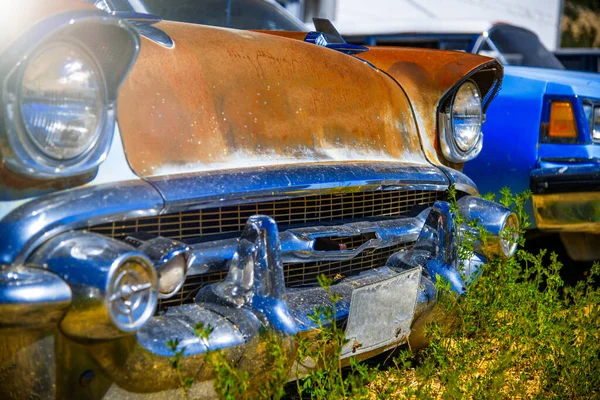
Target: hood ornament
327, 36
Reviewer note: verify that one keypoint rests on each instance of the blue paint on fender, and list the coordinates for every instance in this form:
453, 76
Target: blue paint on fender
511, 144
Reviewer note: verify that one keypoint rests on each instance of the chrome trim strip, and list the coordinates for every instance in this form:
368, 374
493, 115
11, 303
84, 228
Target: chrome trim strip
36, 221
144, 23
155, 35
461, 182
207, 189
297, 245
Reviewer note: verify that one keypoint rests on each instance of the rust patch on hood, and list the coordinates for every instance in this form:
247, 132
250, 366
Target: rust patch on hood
426, 75
231, 99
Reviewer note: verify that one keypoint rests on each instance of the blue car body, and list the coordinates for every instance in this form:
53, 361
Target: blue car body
514, 156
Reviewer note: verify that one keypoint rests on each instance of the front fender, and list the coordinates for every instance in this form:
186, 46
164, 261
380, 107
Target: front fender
429, 77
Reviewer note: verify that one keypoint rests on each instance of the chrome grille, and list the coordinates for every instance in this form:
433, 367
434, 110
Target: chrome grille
346, 242
307, 273
295, 274
300, 210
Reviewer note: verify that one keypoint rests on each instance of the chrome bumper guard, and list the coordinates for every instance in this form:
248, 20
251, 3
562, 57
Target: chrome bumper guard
252, 297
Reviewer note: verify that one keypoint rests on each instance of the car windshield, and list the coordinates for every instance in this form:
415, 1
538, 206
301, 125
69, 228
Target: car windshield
238, 14
520, 46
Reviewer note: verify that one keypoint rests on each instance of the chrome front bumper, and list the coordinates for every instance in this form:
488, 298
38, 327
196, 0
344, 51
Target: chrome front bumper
252, 297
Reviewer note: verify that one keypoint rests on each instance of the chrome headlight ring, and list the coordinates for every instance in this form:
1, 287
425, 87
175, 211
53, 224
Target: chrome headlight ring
457, 149
29, 156
73, 92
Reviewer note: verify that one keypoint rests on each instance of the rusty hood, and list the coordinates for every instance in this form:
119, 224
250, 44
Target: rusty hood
222, 99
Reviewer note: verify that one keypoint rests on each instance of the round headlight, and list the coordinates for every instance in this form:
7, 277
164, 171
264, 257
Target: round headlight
467, 116
62, 101
460, 124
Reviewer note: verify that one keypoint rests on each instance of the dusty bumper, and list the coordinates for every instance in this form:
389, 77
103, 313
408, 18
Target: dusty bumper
254, 297
567, 199
568, 212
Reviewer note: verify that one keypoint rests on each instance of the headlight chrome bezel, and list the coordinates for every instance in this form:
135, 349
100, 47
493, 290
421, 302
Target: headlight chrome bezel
449, 145
28, 158
91, 30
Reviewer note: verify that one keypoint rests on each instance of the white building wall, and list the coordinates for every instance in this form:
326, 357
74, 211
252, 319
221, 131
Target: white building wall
394, 16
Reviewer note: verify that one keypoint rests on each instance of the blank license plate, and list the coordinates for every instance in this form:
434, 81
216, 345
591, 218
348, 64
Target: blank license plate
381, 313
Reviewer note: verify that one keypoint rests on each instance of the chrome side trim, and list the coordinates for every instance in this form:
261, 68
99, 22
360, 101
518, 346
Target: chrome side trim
144, 23
461, 182
155, 34
36, 221
206, 189
297, 245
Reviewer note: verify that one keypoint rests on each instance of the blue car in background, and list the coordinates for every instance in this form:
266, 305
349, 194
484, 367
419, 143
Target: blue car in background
542, 131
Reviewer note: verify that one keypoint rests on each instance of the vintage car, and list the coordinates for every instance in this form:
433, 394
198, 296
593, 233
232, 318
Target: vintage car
158, 175
542, 132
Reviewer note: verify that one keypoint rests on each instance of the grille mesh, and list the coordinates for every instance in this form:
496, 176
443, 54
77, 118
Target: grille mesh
303, 210
307, 273
295, 274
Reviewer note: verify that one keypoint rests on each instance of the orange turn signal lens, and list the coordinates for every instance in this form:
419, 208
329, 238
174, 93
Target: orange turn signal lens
562, 121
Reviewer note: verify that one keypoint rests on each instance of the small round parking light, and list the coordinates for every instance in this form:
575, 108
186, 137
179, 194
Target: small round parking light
171, 276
